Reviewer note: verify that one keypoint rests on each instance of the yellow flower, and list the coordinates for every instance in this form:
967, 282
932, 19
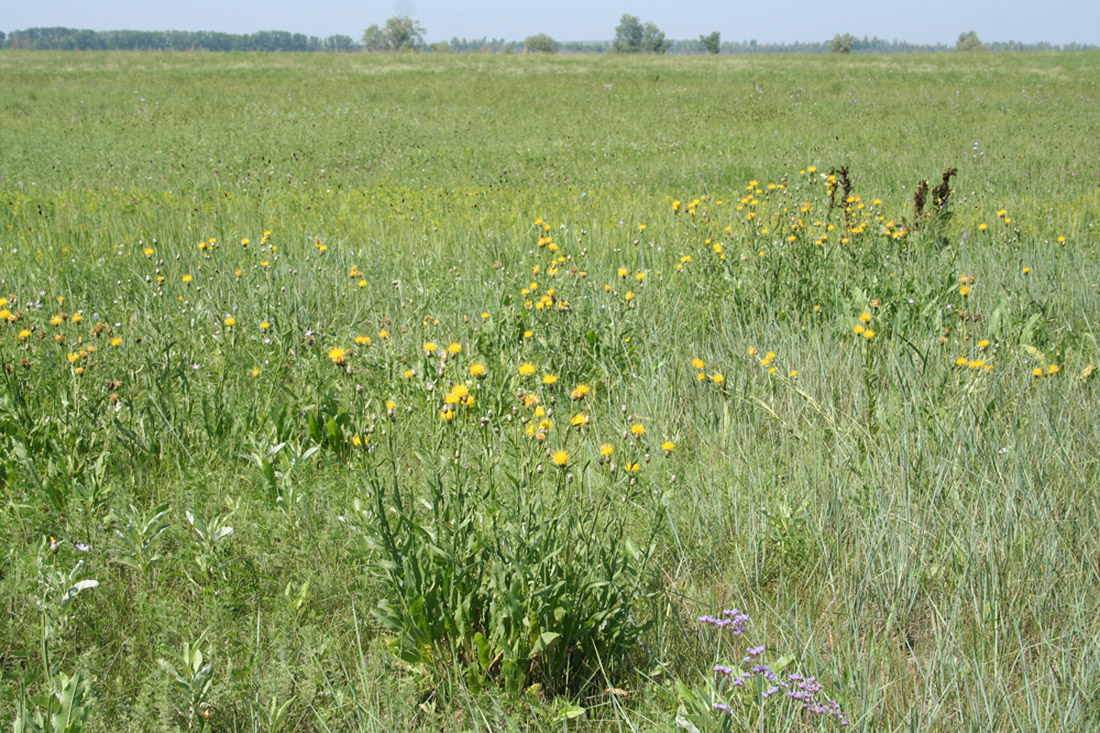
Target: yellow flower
24, 334
632, 467
1036, 372
116, 342
961, 361
363, 340
717, 378
526, 369
230, 321
629, 295
429, 346
964, 290
338, 355
187, 278
637, 429
1027, 270
868, 334
865, 317
580, 392
983, 343
579, 421
383, 334
606, 450
623, 272
454, 348
477, 370
265, 325
1053, 369
858, 329
793, 373
667, 446
698, 363
560, 458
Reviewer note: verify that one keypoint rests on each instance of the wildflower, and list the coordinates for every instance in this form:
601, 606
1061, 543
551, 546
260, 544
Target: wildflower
1053, 369
526, 369
629, 295
363, 340
230, 321
698, 363
265, 325
383, 334
560, 458
187, 278
255, 372
961, 361
865, 317
429, 346
1027, 270
667, 447
868, 334
623, 272
606, 450
793, 373
858, 329
337, 355
24, 334
632, 467
717, 378
477, 370
637, 430
964, 290
580, 392
116, 342
454, 348
579, 421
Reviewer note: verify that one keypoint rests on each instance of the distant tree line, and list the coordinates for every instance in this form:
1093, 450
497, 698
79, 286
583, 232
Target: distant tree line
74, 39
632, 36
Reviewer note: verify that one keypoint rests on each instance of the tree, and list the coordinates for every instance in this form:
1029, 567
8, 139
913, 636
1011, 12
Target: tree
842, 43
633, 37
628, 35
401, 33
653, 39
712, 43
969, 41
540, 43
373, 39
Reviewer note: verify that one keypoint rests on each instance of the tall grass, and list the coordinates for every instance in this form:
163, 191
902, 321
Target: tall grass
249, 446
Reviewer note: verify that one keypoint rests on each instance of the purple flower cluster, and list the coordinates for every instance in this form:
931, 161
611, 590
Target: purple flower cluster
728, 618
803, 690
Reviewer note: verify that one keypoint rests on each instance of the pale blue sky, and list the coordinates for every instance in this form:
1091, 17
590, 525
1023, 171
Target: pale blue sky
918, 21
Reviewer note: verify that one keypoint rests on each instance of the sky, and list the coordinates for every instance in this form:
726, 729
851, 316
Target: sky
917, 21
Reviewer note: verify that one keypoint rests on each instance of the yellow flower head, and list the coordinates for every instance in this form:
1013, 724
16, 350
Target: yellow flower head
637, 429
477, 370
549, 379
338, 355
560, 458
526, 369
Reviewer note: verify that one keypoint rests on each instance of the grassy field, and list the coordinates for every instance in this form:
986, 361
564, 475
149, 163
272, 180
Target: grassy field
349, 392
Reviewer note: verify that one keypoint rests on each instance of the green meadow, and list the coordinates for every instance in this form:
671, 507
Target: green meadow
473, 393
